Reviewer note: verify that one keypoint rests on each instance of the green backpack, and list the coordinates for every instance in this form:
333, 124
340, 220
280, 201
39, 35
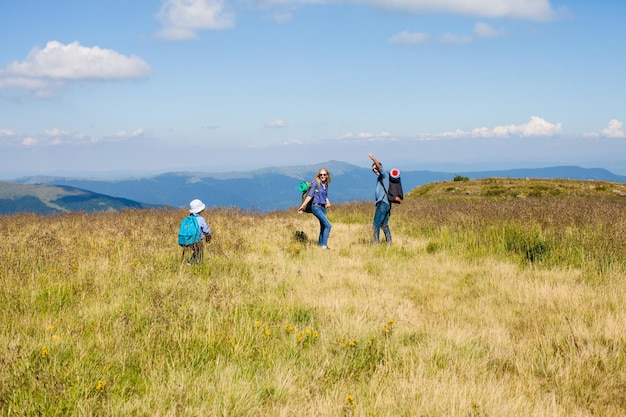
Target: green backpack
304, 188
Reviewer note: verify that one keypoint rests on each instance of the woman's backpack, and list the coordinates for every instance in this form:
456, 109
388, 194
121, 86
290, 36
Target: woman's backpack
304, 188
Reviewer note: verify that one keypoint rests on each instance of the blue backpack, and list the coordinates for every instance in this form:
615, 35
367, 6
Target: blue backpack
189, 232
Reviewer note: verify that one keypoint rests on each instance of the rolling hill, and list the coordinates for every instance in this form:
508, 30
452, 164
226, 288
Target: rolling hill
518, 188
51, 199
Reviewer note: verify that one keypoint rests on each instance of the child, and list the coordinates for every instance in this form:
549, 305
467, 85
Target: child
196, 207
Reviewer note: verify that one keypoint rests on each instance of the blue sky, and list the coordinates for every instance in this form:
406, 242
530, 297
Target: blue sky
148, 86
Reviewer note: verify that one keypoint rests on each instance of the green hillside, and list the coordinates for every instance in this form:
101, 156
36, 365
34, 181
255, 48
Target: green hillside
51, 199
519, 188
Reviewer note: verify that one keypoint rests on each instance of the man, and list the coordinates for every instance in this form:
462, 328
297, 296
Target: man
383, 207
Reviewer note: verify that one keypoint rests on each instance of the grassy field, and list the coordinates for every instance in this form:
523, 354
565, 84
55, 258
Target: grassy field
507, 303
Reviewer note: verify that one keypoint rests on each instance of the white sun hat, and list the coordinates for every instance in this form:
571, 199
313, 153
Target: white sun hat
196, 206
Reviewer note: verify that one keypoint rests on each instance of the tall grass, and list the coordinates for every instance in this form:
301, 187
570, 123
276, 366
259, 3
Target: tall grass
480, 308
589, 234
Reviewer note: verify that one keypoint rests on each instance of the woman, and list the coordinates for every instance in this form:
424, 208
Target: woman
319, 193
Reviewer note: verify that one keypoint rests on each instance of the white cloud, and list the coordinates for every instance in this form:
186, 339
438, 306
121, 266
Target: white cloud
537, 126
55, 132
484, 30
409, 38
76, 62
182, 19
50, 68
456, 133
8, 80
276, 123
137, 133
56, 137
614, 130
368, 136
481, 30
125, 135
29, 141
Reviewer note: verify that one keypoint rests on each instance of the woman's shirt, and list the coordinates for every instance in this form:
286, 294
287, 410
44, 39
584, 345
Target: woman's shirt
321, 195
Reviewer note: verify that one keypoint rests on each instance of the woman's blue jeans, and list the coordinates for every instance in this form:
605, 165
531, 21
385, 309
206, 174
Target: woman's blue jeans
320, 213
381, 220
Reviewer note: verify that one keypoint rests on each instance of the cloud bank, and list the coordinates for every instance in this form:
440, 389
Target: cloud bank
57, 137
182, 19
536, 127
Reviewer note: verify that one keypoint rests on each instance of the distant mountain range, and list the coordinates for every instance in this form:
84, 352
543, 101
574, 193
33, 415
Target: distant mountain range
259, 190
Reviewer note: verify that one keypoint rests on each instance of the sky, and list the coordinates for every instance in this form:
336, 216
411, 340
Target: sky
121, 87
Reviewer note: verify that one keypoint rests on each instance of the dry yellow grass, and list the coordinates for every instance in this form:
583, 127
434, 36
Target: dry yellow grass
100, 317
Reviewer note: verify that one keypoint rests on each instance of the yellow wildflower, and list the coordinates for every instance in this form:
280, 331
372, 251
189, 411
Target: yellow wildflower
100, 386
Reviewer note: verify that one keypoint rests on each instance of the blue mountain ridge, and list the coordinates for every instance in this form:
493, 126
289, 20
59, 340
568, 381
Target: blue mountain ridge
276, 188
